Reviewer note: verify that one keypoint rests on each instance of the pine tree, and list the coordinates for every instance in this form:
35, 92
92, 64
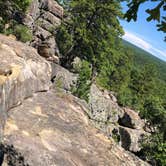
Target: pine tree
93, 28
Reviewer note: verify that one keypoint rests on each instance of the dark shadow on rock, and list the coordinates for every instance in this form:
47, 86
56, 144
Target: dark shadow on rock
10, 156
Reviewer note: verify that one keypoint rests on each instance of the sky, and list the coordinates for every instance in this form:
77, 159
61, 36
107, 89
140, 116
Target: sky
144, 34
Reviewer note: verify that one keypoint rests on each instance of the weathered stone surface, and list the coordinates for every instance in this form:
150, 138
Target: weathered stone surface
109, 117
102, 107
42, 18
51, 129
130, 139
22, 73
34, 10
131, 119
10, 157
51, 18
62, 78
53, 7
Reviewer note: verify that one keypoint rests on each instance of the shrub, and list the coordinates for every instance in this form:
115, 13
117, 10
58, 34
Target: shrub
83, 84
12, 14
22, 33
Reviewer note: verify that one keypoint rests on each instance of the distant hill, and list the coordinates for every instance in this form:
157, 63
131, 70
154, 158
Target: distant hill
142, 57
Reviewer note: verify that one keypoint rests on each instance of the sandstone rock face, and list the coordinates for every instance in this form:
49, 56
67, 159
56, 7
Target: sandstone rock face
131, 130
122, 123
103, 109
130, 139
42, 18
44, 127
131, 119
22, 73
52, 129
62, 78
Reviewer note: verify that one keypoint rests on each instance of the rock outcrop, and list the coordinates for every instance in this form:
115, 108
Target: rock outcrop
22, 73
122, 123
52, 129
103, 108
43, 17
48, 127
131, 119
62, 78
130, 139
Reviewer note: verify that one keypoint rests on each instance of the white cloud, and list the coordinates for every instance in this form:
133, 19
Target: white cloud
163, 53
136, 40
140, 42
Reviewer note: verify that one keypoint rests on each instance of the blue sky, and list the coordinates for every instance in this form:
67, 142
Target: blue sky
144, 34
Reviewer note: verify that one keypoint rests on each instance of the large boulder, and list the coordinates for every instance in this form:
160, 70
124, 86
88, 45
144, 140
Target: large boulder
131, 139
43, 17
131, 119
122, 124
52, 129
131, 130
22, 73
102, 107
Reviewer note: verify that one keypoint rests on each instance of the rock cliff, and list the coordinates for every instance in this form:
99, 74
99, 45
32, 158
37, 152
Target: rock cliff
22, 73
123, 124
43, 17
42, 126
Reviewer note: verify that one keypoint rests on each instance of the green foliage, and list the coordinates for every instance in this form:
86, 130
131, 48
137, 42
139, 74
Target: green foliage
160, 154
85, 35
90, 37
12, 13
144, 90
21, 32
141, 57
23, 4
64, 39
83, 84
10, 7
157, 13
125, 97
59, 83
154, 149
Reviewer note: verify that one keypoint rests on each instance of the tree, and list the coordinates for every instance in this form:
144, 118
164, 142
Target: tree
11, 16
91, 31
93, 27
13, 8
157, 13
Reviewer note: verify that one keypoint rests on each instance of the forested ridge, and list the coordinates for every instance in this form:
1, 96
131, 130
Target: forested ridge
91, 31
141, 57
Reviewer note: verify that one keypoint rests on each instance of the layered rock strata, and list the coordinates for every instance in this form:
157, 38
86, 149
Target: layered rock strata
43, 17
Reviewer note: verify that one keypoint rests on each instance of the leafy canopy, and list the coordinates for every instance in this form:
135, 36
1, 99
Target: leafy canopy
11, 14
92, 29
158, 13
